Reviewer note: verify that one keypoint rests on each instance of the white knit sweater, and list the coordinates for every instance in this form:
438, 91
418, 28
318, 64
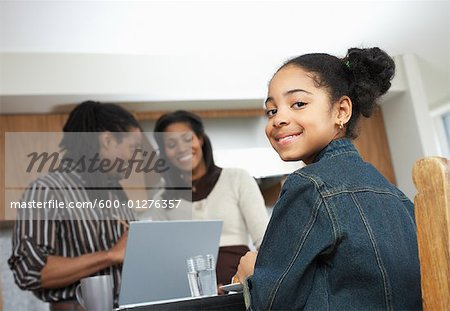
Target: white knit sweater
235, 199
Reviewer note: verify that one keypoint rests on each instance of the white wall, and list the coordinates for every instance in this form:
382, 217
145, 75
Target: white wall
199, 49
436, 82
404, 141
146, 77
409, 124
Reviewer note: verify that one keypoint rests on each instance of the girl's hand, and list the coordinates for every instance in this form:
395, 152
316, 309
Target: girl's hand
246, 266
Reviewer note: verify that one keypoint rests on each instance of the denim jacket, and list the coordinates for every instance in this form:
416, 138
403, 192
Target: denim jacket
341, 237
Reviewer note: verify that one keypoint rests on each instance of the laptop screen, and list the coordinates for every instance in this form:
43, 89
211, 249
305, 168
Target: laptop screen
154, 267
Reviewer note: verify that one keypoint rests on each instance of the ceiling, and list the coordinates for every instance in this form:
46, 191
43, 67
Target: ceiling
254, 30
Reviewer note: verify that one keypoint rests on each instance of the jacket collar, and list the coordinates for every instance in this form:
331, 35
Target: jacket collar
336, 147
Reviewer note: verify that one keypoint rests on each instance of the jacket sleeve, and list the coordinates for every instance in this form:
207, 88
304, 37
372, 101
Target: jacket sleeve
300, 231
34, 238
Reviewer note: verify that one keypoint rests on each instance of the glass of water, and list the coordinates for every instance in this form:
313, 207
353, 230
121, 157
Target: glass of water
201, 272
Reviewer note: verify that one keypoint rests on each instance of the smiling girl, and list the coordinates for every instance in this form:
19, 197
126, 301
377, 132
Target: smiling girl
341, 236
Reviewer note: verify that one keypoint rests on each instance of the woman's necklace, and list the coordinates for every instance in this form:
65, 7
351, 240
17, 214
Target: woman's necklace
195, 183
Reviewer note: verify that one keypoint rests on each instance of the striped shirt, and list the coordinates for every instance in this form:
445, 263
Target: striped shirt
39, 233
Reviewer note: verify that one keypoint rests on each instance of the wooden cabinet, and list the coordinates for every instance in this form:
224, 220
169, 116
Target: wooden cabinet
373, 145
25, 123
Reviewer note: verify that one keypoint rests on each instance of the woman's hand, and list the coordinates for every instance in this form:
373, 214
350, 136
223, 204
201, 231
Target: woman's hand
246, 266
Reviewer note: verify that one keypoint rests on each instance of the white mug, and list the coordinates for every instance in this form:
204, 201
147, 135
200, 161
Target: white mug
95, 293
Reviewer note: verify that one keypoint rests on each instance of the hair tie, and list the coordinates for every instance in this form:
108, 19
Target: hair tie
347, 63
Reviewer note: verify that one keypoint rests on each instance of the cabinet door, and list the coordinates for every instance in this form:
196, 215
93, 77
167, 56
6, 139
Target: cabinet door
26, 123
373, 145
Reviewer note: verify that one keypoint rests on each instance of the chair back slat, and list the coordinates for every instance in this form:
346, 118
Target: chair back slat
431, 176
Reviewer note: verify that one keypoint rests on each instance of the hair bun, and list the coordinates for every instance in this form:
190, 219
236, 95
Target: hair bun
372, 64
372, 70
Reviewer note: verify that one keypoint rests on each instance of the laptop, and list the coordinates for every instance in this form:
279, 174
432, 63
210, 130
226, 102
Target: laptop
154, 268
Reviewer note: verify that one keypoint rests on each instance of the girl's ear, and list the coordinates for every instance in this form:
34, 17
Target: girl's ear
344, 110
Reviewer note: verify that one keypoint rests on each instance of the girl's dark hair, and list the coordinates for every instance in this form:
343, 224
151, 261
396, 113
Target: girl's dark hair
91, 116
173, 175
363, 75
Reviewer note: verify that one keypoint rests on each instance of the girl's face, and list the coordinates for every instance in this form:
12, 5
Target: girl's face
301, 119
183, 148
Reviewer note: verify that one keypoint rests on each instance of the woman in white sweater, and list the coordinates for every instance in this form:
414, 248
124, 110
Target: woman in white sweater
228, 194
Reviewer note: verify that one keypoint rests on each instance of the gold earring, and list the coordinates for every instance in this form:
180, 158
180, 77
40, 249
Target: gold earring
341, 126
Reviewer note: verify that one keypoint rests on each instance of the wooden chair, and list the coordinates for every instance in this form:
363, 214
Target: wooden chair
431, 176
